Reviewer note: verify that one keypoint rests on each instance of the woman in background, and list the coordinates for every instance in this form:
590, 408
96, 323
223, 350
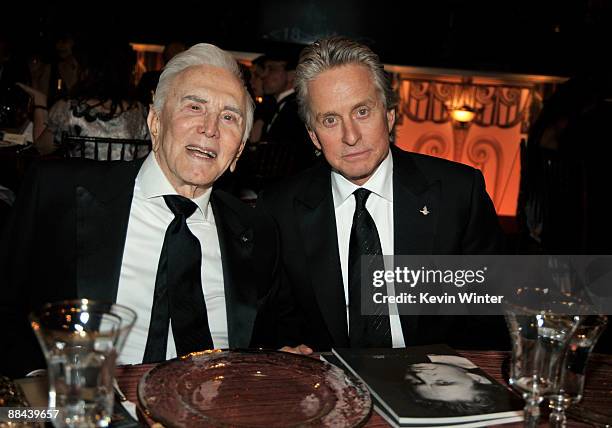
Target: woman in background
101, 104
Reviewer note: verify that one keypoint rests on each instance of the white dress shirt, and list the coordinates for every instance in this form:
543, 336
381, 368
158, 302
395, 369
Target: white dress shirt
380, 207
149, 219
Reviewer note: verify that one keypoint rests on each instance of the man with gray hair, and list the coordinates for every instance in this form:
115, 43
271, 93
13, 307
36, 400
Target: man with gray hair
367, 197
197, 266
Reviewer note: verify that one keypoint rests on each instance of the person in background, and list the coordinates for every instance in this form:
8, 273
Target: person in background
102, 103
57, 77
282, 122
152, 234
148, 81
564, 173
255, 77
367, 197
265, 105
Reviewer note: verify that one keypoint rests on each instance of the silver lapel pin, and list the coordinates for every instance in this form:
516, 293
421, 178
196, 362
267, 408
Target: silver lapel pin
424, 211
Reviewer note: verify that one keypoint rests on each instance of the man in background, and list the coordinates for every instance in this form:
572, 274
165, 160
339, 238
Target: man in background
283, 125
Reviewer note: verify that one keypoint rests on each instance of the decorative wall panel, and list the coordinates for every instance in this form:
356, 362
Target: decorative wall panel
504, 111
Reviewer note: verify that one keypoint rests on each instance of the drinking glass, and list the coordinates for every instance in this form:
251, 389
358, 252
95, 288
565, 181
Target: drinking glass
81, 340
128, 319
569, 384
540, 335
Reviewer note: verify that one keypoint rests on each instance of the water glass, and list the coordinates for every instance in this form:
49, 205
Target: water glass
128, 319
569, 384
80, 340
540, 337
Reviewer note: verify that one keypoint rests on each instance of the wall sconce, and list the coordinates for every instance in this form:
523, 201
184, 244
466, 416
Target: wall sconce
462, 111
461, 118
463, 115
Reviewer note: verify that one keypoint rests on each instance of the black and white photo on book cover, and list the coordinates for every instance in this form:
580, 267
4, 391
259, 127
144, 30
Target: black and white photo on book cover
431, 385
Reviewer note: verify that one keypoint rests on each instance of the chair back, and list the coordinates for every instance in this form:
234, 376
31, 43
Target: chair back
105, 149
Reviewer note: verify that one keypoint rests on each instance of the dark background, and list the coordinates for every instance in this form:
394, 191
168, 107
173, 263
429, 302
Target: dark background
552, 37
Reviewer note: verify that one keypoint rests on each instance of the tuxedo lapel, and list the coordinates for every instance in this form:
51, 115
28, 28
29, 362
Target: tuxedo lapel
415, 207
415, 215
314, 210
236, 245
102, 211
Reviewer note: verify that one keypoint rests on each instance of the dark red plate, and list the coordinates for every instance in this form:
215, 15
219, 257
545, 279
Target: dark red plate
252, 389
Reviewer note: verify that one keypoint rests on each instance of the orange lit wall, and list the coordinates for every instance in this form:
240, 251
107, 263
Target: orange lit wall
504, 107
495, 151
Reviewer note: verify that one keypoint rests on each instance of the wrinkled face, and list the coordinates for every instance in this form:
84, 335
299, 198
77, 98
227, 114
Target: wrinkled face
350, 124
443, 382
275, 79
198, 133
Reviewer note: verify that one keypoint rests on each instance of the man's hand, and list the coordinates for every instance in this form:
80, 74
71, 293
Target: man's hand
300, 349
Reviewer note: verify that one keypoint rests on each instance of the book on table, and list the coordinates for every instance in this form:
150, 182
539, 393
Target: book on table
430, 386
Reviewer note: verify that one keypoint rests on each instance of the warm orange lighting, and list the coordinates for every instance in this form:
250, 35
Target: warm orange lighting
144, 47
463, 114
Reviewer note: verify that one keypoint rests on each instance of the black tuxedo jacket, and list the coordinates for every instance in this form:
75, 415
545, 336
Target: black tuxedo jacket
288, 128
462, 220
66, 240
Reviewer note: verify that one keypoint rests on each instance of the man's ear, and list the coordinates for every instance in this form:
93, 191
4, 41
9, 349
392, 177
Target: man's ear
314, 138
390, 118
154, 127
235, 161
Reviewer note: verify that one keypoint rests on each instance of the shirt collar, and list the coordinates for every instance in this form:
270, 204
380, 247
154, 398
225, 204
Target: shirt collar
152, 183
284, 95
380, 183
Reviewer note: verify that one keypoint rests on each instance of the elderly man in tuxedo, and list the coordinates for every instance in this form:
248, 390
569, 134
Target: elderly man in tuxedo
367, 197
197, 266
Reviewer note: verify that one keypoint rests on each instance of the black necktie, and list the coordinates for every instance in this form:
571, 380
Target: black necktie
178, 289
365, 330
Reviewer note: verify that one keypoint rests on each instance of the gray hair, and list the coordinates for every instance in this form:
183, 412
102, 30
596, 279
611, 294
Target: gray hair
202, 54
333, 52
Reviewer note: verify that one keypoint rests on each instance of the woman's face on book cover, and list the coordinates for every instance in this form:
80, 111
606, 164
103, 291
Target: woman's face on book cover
443, 382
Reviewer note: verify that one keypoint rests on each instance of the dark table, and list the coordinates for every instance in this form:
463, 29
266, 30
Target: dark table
597, 394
